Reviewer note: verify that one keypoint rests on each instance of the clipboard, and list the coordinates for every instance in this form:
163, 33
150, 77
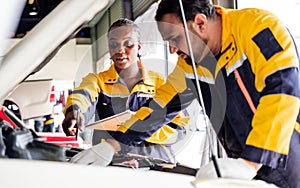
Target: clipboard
111, 123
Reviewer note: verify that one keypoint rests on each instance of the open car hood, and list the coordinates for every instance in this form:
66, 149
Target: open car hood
36, 49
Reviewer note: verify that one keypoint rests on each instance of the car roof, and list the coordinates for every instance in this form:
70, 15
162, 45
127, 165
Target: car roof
38, 46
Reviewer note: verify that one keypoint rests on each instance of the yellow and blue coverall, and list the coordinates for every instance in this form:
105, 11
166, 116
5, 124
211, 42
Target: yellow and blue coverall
106, 94
267, 60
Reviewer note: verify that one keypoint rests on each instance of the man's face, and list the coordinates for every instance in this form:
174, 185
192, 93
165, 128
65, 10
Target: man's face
172, 30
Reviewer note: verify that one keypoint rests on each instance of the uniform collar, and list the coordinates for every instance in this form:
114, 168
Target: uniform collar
228, 42
111, 75
146, 77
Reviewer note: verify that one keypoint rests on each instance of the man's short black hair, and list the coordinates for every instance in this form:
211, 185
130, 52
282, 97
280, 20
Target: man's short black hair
191, 8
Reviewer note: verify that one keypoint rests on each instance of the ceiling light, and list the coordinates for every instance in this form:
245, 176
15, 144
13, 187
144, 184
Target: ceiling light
34, 10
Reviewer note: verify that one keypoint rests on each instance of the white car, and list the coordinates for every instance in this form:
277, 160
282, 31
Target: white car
35, 99
51, 33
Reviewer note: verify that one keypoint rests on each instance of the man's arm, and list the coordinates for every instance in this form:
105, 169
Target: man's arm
169, 100
274, 62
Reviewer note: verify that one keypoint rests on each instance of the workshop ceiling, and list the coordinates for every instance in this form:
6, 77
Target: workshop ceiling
28, 21
44, 7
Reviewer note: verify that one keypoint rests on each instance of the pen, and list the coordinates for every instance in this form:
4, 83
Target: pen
76, 125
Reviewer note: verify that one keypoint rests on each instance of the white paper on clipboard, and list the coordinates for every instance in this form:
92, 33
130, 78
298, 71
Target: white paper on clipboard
111, 123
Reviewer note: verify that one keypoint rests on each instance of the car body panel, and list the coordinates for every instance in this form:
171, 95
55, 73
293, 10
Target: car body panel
44, 39
58, 174
24, 173
10, 13
33, 96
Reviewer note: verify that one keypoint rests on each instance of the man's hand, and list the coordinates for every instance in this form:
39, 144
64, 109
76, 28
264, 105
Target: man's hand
229, 168
100, 154
73, 118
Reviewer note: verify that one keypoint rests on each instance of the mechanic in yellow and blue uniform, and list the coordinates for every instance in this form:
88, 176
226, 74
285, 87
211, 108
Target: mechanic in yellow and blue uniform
248, 69
125, 85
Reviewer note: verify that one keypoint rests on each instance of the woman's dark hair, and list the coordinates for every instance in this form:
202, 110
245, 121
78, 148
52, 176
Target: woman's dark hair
191, 8
126, 22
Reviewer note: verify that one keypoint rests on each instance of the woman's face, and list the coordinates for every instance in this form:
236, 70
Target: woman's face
123, 47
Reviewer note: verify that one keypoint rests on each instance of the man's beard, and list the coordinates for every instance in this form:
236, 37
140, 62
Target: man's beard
209, 62
188, 60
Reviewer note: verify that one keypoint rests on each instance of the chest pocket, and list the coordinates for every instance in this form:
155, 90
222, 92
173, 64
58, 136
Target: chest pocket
141, 95
137, 100
108, 106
